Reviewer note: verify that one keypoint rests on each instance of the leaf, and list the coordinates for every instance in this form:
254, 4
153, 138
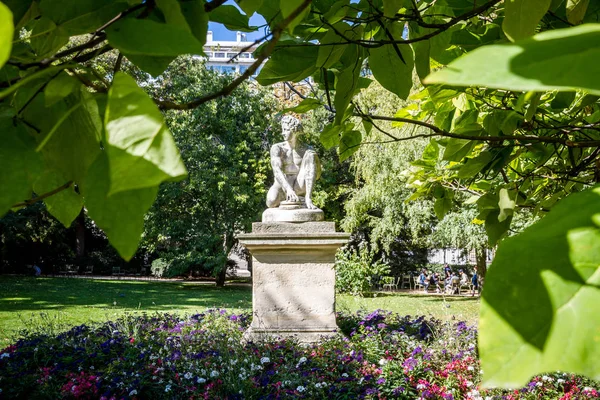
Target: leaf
495, 228
197, 19
457, 149
47, 38
231, 17
6, 33
304, 106
474, 165
505, 204
289, 64
330, 137
349, 144
171, 10
249, 6
554, 60
442, 206
576, 10
345, 85
392, 70
391, 7
19, 164
121, 215
64, 205
521, 17
152, 65
70, 130
562, 100
330, 52
76, 17
145, 37
288, 7
59, 88
554, 264
431, 151
141, 150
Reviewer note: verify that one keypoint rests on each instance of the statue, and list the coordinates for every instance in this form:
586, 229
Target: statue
296, 167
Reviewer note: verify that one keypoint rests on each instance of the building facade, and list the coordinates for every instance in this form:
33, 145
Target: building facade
229, 56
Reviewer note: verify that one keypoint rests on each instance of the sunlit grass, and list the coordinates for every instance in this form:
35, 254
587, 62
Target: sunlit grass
62, 302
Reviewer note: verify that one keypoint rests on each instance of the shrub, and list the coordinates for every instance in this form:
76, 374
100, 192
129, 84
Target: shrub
356, 271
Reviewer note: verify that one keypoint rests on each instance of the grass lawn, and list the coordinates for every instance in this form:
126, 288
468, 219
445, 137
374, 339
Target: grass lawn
57, 303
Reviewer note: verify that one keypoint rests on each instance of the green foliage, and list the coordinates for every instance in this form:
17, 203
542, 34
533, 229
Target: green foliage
6, 33
356, 270
561, 284
544, 62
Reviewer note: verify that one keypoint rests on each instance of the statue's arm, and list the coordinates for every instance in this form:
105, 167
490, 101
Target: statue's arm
277, 165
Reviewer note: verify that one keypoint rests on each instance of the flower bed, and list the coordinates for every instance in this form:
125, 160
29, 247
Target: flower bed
200, 357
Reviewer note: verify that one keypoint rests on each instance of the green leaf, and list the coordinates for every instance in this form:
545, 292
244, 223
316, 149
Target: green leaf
304, 106
172, 12
330, 52
288, 7
474, 165
391, 7
554, 264
19, 10
47, 38
59, 88
232, 18
391, 69
19, 164
289, 64
457, 149
121, 215
6, 33
505, 204
70, 132
249, 6
197, 19
442, 206
495, 228
330, 136
64, 205
521, 17
141, 150
76, 17
349, 144
554, 60
562, 100
576, 10
431, 151
152, 65
145, 37
345, 85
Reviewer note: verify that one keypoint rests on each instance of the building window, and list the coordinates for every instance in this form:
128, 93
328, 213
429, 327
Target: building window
219, 55
245, 55
208, 53
231, 55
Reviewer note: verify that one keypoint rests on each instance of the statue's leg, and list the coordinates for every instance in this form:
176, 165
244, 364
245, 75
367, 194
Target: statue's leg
275, 195
310, 171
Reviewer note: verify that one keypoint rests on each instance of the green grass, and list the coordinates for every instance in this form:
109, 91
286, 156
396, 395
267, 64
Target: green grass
57, 303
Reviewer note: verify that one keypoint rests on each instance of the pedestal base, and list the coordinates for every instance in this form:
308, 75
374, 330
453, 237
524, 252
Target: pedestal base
293, 280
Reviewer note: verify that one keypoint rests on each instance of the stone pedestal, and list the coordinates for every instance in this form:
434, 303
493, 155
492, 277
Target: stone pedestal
293, 279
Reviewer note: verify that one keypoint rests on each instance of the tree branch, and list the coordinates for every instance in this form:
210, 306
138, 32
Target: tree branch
276, 35
43, 196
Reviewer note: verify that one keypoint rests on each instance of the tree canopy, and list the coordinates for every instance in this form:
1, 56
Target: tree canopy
508, 102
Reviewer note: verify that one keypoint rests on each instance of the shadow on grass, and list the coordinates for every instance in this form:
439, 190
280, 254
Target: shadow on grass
25, 293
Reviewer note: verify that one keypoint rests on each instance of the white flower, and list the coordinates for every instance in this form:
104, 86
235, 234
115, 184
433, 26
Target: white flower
547, 378
200, 380
344, 375
559, 381
132, 393
539, 384
265, 360
214, 374
420, 386
469, 383
383, 361
470, 368
287, 383
300, 389
587, 389
188, 375
302, 360
167, 388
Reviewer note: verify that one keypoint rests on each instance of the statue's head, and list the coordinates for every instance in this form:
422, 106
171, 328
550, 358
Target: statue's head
290, 125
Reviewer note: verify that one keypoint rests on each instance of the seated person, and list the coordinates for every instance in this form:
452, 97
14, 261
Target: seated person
455, 284
423, 279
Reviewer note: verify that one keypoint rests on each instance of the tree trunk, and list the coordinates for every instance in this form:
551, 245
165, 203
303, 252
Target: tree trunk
481, 257
80, 235
228, 241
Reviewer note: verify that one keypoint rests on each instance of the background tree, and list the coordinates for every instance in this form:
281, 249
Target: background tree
224, 146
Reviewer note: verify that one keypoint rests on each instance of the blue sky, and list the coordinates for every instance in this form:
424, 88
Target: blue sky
222, 33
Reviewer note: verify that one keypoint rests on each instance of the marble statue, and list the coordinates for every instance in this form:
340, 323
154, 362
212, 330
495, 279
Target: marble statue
296, 168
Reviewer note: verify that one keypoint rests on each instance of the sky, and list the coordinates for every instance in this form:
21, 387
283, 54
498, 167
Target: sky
222, 33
